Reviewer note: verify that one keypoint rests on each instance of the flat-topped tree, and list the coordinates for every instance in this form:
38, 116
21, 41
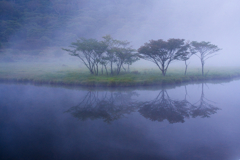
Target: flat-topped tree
89, 51
204, 51
162, 53
94, 53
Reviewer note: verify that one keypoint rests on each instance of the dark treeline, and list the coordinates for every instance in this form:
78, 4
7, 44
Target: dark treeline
111, 52
33, 24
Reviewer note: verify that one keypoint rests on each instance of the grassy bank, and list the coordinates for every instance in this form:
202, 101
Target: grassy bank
66, 75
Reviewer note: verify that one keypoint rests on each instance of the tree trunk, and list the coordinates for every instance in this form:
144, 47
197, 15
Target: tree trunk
202, 69
163, 72
102, 69
111, 69
163, 69
119, 68
186, 66
124, 68
94, 69
97, 69
91, 71
106, 69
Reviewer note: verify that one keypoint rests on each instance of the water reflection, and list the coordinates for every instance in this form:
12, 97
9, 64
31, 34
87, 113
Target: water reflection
204, 107
163, 107
111, 106
108, 106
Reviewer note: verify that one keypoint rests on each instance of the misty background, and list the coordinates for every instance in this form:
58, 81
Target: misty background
36, 30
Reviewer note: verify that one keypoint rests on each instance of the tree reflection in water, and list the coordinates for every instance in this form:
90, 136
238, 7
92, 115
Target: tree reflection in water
204, 107
108, 106
111, 106
163, 107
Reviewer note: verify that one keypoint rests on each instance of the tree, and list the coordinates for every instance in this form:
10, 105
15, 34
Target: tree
90, 52
94, 53
118, 52
204, 51
130, 60
110, 56
122, 53
188, 54
162, 53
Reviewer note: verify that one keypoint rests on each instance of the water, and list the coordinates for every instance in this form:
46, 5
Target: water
196, 121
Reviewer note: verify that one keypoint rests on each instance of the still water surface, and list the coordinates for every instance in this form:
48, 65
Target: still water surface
196, 121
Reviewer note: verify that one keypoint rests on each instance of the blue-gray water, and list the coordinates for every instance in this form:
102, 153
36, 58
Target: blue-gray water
196, 121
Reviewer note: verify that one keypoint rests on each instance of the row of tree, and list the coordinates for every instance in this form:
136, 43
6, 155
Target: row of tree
110, 52
98, 55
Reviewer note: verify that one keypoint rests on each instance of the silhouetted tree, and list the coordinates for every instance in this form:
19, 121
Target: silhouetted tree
118, 52
130, 60
188, 54
89, 51
162, 53
110, 56
109, 51
122, 55
204, 51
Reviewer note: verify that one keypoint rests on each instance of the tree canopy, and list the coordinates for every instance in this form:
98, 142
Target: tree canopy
94, 53
162, 53
90, 52
203, 50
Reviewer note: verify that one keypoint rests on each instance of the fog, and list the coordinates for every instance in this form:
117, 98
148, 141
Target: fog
215, 21
58, 119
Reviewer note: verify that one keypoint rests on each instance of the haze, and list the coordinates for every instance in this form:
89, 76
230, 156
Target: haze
215, 21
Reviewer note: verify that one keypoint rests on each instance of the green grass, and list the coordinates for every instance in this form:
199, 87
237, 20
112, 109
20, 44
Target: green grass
47, 73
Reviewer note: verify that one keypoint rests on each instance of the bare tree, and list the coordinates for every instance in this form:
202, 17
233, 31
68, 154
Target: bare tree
203, 50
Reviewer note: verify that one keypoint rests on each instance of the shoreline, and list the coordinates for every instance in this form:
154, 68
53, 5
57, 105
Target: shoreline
122, 83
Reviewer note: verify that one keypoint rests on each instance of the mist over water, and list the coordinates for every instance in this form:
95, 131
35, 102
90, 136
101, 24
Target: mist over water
196, 121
